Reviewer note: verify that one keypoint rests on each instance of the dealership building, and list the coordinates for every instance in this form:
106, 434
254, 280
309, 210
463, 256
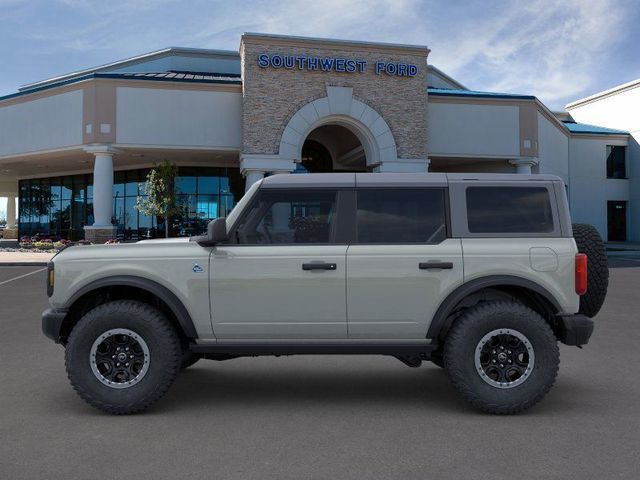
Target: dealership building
75, 149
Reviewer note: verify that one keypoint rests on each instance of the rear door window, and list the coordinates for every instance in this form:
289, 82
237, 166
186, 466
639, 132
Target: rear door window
407, 215
509, 210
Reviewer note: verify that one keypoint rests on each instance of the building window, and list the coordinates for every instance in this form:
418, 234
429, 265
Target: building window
616, 161
60, 207
55, 208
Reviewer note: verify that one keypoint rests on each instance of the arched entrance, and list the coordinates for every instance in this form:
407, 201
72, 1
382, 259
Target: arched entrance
332, 148
337, 133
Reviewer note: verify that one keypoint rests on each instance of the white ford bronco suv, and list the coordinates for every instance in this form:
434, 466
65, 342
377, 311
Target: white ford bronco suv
481, 274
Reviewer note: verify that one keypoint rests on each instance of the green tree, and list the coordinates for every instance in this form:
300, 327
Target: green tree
159, 196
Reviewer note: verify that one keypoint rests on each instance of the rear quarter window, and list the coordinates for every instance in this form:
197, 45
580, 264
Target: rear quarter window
509, 210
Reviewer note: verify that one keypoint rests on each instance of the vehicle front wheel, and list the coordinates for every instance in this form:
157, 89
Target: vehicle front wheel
502, 357
122, 356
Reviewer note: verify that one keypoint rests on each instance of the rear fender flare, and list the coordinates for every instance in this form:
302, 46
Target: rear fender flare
439, 323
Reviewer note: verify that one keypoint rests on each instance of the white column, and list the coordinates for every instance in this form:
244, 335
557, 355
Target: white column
103, 189
251, 177
254, 166
281, 212
523, 165
102, 228
11, 211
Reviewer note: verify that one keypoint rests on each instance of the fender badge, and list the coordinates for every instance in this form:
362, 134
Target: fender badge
197, 268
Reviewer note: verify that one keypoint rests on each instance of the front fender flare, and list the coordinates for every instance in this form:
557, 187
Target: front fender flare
167, 296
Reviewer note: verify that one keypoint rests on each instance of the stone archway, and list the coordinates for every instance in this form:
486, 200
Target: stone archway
341, 109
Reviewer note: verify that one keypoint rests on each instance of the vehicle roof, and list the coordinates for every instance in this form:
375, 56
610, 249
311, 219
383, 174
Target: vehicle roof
320, 180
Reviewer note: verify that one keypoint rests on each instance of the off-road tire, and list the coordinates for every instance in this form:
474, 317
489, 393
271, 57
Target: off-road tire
188, 358
164, 351
589, 242
463, 340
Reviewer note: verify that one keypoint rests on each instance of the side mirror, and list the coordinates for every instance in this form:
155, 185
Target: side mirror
217, 231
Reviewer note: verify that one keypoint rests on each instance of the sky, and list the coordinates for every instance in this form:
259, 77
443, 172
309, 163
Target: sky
558, 50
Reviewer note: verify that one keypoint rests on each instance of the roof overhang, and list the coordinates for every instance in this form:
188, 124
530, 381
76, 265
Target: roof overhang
604, 94
164, 77
145, 57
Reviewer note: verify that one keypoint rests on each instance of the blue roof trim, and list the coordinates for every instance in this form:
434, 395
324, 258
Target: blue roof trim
575, 127
181, 76
450, 92
156, 77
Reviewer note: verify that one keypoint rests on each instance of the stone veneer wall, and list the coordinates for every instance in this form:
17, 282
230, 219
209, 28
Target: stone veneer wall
271, 96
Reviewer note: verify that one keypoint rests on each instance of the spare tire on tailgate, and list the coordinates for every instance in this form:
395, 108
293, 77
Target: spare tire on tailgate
590, 243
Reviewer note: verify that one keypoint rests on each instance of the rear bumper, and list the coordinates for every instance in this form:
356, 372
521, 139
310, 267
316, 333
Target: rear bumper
574, 329
52, 323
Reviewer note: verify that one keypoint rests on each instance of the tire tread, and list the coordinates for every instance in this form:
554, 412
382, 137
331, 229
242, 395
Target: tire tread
454, 363
590, 243
161, 325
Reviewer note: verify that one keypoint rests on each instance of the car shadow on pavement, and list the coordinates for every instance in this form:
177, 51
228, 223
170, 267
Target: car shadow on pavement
204, 385
424, 388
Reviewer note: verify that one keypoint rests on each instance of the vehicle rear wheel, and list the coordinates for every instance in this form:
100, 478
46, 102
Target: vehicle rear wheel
122, 356
589, 242
502, 357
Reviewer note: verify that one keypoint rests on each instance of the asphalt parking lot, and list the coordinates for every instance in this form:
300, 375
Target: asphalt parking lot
320, 417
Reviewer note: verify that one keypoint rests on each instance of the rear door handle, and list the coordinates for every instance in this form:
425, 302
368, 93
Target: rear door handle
435, 265
319, 266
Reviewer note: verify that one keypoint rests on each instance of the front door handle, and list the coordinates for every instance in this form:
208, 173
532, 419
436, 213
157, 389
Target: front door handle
319, 266
435, 265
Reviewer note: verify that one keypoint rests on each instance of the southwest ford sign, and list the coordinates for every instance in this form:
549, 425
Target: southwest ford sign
330, 64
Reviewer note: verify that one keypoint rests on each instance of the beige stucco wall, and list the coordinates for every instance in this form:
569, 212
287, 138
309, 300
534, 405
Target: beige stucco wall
45, 123
271, 96
473, 129
553, 149
589, 187
8, 186
178, 117
620, 110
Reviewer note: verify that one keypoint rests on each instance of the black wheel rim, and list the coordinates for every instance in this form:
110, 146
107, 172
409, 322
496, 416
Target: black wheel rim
119, 358
504, 358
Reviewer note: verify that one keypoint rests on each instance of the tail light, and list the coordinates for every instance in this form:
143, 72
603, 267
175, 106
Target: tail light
581, 273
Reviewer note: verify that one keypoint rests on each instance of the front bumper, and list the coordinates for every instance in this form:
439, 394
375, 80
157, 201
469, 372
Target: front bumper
574, 329
52, 323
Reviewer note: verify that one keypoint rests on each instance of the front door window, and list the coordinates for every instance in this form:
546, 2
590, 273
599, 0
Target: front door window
290, 217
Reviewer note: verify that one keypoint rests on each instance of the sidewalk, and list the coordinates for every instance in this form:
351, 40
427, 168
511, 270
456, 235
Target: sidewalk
15, 259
